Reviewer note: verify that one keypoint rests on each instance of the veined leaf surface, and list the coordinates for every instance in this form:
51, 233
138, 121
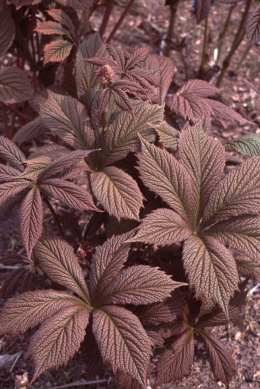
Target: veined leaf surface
211, 270
57, 51
162, 227
57, 259
15, 87
8, 190
11, 153
118, 192
122, 341
7, 30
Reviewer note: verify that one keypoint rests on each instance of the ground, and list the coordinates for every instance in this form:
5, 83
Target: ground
146, 25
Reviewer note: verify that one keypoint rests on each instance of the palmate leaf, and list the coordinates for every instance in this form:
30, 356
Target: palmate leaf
8, 173
107, 262
162, 227
57, 50
122, 341
68, 118
175, 363
165, 176
211, 270
7, 30
11, 153
121, 136
58, 338
53, 28
221, 362
248, 145
31, 219
241, 233
15, 87
237, 194
57, 259
68, 194
63, 19
32, 308
253, 25
204, 161
118, 192
139, 285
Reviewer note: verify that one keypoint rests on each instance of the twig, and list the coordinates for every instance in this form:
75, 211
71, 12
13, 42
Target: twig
79, 383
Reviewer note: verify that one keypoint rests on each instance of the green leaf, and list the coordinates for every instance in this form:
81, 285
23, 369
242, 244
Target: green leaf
57, 51
122, 341
118, 192
57, 259
68, 119
7, 30
14, 86
211, 270
162, 227
248, 145
58, 338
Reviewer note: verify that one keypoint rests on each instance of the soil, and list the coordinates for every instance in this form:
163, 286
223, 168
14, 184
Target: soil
147, 25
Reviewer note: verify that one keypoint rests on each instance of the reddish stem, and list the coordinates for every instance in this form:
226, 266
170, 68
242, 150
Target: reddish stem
120, 21
5, 118
106, 17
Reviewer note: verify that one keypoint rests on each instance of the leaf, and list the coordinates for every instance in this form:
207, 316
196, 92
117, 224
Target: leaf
77, 4
57, 51
248, 145
118, 192
122, 341
221, 362
31, 219
107, 262
248, 267
62, 18
139, 285
63, 163
31, 308
121, 136
20, 3
8, 173
8, 190
7, 30
32, 130
166, 73
176, 362
204, 161
58, 338
69, 194
14, 86
211, 270
221, 111
237, 194
11, 153
90, 356
202, 8
57, 259
68, 119
137, 56
253, 25
241, 233
53, 28
165, 176
162, 227
168, 135
85, 71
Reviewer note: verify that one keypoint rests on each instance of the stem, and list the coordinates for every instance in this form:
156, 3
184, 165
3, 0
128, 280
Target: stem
5, 118
120, 20
106, 17
173, 9
223, 32
236, 42
240, 63
54, 216
31, 26
21, 115
203, 64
